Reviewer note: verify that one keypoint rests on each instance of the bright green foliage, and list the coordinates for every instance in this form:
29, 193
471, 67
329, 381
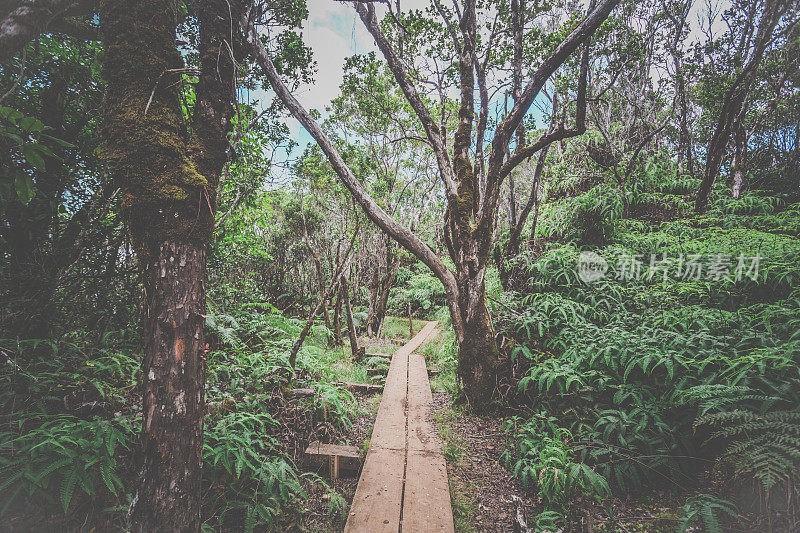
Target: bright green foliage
421, 289
63, 454
248, 475
629, 374
542, 458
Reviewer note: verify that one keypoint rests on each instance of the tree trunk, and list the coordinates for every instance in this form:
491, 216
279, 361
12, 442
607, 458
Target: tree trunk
374, 289
685, 160
169, 177
472, 195
337, 319
410, 322
351, 327
383, 300
737, 169
170, 488
384, 288
734, 100
321, 288
478, 352
318, 269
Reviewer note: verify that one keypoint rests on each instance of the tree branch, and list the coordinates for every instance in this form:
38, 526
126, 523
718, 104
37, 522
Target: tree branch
579, 35
367, 13
397, 231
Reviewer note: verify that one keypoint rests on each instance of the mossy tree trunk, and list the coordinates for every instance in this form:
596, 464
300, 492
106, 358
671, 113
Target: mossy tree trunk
169, 178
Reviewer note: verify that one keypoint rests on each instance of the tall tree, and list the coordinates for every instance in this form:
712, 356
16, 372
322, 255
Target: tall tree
750, 52
472, 187
169, 178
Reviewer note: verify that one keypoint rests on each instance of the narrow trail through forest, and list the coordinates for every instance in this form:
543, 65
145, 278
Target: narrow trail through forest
403, 484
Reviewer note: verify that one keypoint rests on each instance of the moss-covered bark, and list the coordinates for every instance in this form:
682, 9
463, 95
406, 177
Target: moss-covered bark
169, 175
146, 142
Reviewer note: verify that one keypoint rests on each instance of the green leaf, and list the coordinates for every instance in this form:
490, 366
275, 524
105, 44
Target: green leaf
31, 124
56, 140
68, 488
33, 156
23, 184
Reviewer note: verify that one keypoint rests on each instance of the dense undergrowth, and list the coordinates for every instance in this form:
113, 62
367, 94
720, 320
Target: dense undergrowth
658, 378
71, 415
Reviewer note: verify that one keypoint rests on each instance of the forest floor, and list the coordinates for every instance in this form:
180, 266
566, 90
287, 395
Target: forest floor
482, 490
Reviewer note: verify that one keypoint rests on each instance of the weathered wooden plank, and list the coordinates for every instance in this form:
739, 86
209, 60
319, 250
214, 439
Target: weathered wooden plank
319, 448
359, 387
383, 494
381, 355
422, 433
426, 496
389, 430
377, 503
338, 458
419, 338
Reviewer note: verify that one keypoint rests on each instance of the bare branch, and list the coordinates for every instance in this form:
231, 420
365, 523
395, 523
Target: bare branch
397, 231
562, 52
435, 135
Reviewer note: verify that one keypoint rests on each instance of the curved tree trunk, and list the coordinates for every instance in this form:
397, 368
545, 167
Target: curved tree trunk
472, 190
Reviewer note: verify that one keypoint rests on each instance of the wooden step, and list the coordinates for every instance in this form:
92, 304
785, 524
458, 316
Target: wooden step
359, 387
381, 355
340, 458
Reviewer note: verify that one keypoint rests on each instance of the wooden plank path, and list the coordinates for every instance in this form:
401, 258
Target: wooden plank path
403, 484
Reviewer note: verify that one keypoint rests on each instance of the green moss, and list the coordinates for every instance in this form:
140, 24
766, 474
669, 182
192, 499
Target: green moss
147, 146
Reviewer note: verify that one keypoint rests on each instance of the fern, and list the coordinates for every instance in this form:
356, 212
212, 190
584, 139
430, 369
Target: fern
765, 445
707, 509
65, 454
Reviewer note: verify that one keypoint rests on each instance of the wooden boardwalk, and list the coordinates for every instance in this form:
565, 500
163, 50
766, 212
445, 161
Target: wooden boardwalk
403, 485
